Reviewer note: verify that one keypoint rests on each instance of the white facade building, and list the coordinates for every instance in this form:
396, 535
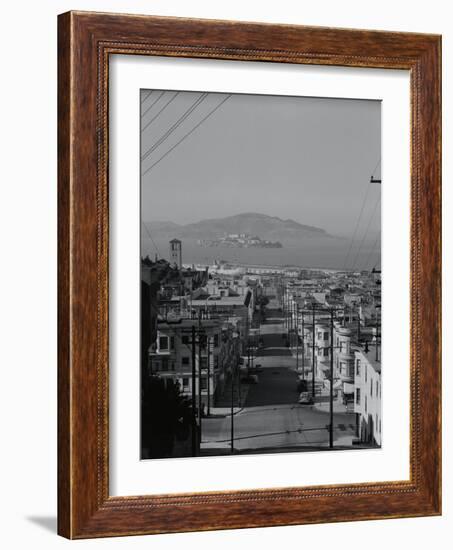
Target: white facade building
367, 402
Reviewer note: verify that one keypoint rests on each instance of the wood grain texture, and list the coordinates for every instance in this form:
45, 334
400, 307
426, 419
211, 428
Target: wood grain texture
86, 40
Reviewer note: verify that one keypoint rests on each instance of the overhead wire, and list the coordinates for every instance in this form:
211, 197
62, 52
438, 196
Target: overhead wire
378, 237
360, 215
149, 93
152, 104
186, 135
152, 240
366, 231
180, 120
159, 112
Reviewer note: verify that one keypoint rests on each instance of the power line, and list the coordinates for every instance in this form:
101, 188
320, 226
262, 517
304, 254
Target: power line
360, 215
372, 250
357, 225
159, 112
187, 135
152, 104
375, 168
152, 240
366, 231
147, 95
180, 120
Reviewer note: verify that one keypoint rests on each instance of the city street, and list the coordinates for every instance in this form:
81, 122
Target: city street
271, 419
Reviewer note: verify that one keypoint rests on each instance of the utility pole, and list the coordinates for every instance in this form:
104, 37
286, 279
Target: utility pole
377, 336
313, 355
286, 308
331, 381
290, 323
199, 374
194, 418
292, 320
303, 346
208, 409
358, 323
232, 410
284, 303
297, 337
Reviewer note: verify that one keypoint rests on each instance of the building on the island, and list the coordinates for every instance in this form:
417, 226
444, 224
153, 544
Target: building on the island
176, 253
368, 390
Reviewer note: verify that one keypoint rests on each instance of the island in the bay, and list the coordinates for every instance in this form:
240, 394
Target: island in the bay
240, 240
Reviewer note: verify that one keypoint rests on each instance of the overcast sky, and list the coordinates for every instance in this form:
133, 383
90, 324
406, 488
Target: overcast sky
309, 159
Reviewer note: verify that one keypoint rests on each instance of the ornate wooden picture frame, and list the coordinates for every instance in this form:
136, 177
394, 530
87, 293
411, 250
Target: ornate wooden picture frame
85, 507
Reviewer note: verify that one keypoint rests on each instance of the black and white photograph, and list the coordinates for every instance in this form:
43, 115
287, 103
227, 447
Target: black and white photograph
260, 272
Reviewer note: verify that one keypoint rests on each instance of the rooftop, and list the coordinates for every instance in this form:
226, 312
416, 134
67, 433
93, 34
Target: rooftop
220, 301
182, 324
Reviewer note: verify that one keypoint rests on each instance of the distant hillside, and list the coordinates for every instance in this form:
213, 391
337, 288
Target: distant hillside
266, 227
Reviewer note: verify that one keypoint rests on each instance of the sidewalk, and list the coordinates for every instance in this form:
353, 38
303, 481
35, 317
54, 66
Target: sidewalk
223, 411
322, 403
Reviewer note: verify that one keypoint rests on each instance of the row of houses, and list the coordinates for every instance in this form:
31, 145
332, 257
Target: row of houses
199, 324
340, 331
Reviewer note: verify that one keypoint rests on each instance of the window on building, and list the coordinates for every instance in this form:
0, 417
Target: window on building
326, 336
326, 352
164, 364
320, 351
357, 396
204, 383
357, 367
163, 343
371, 388
366, 373
185, 382
185, 360
216, 340
185, 340
319, 335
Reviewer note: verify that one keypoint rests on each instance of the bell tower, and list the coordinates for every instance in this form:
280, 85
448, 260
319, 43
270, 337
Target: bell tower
176, 253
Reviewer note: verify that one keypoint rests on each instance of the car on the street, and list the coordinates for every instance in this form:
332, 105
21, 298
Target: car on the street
250, 379
255, 369
305, 398
302, 386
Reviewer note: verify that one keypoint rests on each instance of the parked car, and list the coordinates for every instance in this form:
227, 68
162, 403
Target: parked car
250, 379
255, 369
305, 398
302, 386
